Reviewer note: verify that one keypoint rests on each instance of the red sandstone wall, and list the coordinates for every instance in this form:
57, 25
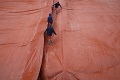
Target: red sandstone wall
87, 46
22, 23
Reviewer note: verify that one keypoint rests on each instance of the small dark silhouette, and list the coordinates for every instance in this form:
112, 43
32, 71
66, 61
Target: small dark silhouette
50, 19
49, 32
55, 7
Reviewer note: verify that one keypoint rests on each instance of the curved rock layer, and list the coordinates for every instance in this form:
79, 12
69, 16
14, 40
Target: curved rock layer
22, 23
87, 46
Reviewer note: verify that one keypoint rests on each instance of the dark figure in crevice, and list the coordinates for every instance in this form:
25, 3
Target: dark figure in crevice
49, 32
55, 6
50, 19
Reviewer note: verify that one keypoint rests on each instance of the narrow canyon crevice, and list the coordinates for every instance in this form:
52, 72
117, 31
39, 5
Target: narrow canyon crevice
86, 47
46, 46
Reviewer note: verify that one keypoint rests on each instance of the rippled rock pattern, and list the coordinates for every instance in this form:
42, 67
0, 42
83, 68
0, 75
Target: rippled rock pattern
22, 23
87, 45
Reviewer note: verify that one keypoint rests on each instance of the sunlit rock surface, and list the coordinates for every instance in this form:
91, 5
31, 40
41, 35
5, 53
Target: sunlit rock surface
22, 23
87, 46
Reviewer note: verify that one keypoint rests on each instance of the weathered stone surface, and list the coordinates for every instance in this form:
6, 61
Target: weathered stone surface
22, 23
87, 46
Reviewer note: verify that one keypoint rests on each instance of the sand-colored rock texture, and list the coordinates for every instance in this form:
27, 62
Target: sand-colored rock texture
86, 47
22, 23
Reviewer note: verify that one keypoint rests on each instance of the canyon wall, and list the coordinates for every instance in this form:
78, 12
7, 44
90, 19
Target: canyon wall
87, 46
22, 23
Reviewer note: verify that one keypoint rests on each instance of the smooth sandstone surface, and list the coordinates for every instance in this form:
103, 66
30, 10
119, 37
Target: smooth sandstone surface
87, 46
22, 23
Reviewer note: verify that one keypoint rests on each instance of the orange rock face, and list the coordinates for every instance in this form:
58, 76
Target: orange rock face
22, 23
87, 46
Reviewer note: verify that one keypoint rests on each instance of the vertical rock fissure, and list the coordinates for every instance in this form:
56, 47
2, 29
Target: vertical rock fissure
45, 49
40, 72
